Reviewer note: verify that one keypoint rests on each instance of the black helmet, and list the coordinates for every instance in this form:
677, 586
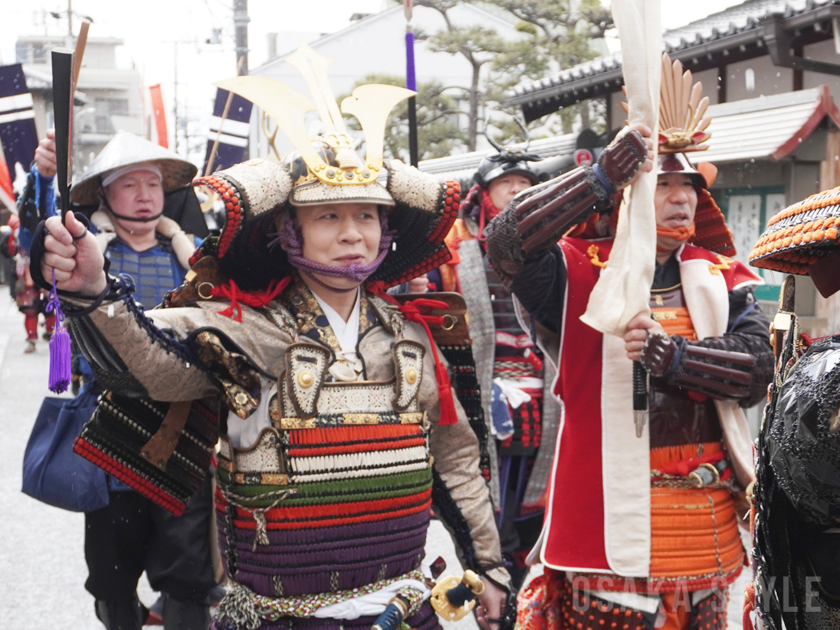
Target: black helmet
509, 160
804, 440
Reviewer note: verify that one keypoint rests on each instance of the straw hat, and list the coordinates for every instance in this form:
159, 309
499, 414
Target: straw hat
126, 149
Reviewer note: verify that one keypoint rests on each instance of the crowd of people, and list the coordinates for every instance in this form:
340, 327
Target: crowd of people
276, 348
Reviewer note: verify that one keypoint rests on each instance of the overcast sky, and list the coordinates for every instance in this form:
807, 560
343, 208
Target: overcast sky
151, 28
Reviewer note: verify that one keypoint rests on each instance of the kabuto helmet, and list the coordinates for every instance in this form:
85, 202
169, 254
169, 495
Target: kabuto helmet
683, 129
509, 160
322, 170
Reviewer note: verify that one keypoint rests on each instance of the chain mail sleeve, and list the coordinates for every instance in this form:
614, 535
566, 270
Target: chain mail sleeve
538, 217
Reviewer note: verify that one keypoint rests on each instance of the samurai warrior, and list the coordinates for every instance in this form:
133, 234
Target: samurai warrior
129, 183
796, 501
508, 364
626, 543
339, 429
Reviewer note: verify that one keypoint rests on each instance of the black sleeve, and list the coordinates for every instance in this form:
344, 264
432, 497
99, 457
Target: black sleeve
541, 287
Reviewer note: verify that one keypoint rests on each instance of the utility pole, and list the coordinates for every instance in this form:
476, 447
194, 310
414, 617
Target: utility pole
240, 23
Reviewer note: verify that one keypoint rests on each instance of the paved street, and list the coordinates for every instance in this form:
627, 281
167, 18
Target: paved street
42, 565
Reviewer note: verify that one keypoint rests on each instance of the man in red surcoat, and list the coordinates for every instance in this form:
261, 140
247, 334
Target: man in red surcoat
639, 532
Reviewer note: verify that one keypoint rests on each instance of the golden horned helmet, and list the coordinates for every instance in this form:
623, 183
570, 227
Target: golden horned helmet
326, 168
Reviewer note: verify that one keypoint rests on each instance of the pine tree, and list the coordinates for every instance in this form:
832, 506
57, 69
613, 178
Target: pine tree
554, 35
438, 132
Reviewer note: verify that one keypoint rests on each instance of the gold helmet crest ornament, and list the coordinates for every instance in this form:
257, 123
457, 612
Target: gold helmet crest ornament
683, 129
682, 110
326, 168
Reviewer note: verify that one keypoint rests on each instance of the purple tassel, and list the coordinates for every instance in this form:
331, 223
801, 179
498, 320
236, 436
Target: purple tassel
59, 346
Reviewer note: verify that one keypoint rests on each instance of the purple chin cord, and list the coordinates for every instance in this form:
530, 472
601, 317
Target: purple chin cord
291, 240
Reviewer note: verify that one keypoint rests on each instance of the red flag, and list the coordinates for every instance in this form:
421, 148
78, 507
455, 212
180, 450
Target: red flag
7, 195
159, 115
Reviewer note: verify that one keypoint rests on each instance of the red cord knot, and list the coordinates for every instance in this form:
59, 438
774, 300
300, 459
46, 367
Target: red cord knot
254, 299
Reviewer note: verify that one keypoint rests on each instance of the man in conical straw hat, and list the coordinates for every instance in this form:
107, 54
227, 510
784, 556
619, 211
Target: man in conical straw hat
128, 180
797, 494
666, 532
339, 427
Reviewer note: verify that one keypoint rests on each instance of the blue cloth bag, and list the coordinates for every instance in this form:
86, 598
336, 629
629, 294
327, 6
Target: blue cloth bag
52, 472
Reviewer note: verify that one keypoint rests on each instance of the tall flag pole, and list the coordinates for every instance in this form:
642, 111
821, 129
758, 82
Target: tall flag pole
411, 84
229, 129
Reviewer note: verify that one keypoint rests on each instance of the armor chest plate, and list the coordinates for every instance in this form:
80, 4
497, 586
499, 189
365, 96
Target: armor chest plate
668, 308
340, 462
153, 271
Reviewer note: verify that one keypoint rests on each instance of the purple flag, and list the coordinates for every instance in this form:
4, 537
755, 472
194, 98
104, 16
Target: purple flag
17, 119
234, 136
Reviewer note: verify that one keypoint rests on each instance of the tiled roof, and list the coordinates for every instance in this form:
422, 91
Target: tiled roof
768, 127
763, 128
737, 20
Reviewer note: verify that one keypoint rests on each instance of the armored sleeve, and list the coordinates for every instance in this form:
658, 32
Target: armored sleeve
139, 353
735, 366
541, 287
537, 217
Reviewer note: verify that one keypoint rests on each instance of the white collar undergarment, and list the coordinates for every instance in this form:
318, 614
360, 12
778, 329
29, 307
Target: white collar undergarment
347, 333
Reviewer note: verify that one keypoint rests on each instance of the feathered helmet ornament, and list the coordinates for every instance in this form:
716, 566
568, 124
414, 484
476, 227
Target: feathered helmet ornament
682, 111
683, 128
683, 122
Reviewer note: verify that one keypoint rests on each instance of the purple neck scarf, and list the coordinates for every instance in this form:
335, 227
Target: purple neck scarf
291, 240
